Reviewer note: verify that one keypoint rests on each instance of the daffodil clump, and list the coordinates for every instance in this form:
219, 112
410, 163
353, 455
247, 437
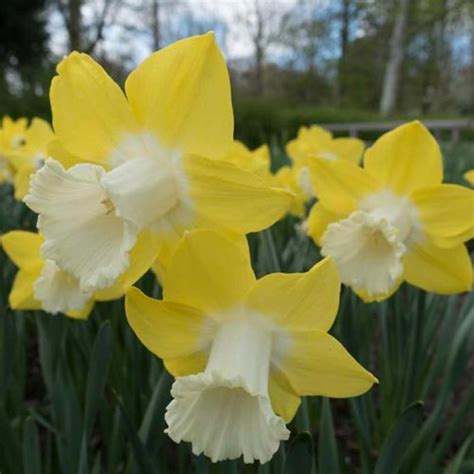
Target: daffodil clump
149, 162
151, 177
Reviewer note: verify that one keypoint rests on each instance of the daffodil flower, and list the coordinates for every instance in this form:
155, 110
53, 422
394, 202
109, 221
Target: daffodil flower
394, 220
242, 350
27, 159
317, 143
150, 160
41, 284
12, 137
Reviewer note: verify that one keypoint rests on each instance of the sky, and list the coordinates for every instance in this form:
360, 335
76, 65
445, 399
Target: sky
126, 36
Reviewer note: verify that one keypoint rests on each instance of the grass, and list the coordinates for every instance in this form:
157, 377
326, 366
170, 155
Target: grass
86, 397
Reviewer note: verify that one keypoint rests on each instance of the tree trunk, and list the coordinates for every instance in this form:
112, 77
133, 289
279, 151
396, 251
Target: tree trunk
259, 52
74, 25
155, 24
344, 43
392, 71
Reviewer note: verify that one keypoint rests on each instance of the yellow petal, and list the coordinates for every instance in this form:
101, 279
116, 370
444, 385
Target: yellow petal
231, 198
84, 313
285, 401
469, 177
350, 149
182, 93
172, 331
405, 159
141, 258
446, 212
300, 301
317, 364
318, 220
59, 153
285, 178
308, 141
21, 295
186, 365
23, 249
91, 115
439, 270
340, 184
39, 134
208, 271
21, 181
370, 298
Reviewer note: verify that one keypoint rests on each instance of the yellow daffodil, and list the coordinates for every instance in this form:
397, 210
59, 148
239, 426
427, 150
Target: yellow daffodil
317, 143
12, 136
469, 177
41, 284
27, 159
256, 161
394, 220
151, 161
242, 350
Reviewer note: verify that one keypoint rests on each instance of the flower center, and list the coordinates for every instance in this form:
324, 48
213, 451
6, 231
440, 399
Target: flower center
225, 411
367, 251
398, 212
368, 246
146, 182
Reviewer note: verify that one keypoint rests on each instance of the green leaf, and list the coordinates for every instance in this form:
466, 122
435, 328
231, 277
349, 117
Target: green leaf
300, 455
151, 429
96, 379
31, 448
398, 439
328, 456
455, 465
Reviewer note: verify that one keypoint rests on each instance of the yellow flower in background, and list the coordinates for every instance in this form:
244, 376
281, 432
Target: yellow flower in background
12, 136
394, 220
152, 161
27, 159
315, 142
469, 177
286, 178
41, 284
242, 350
256, 161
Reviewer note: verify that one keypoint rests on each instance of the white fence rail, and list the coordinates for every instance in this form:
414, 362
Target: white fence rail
437, 127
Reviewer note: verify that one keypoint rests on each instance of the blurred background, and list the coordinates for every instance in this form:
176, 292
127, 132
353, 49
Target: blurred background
292, 62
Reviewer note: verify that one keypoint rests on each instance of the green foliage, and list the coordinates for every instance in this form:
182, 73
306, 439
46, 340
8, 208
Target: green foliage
87, 397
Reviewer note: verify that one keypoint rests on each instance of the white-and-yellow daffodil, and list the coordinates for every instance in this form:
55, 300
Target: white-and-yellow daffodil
394, 220
242, 350
41, 284
27, 159
152, 161
314, 143
12, 137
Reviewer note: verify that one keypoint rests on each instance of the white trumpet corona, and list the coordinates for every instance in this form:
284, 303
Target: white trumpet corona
58, 291
225, 411
369, 244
